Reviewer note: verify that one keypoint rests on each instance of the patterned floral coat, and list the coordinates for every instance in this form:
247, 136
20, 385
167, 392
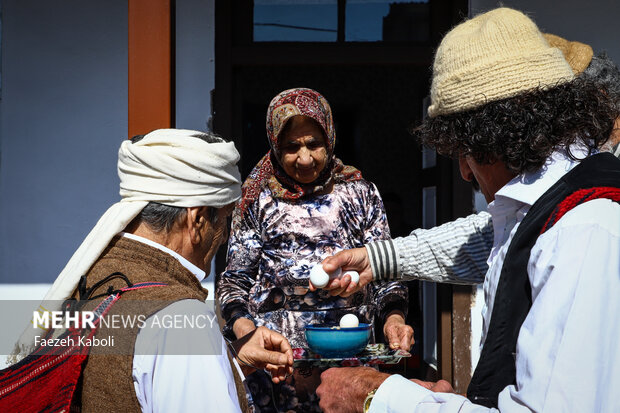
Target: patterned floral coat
273, 248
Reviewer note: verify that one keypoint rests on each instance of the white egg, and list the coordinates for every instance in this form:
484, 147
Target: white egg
349, 320
355, 276
319, 278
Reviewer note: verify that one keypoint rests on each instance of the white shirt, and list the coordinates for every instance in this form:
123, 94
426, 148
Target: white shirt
567, 350
183, 369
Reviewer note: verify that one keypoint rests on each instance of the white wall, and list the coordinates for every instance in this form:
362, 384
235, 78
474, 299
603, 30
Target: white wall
593, 22
63, 112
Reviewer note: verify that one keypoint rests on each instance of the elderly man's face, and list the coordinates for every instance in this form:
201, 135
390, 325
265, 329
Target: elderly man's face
489, 177
213, 235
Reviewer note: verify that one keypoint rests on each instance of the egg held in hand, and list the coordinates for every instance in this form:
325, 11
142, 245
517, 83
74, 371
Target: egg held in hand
319, 278
355, 276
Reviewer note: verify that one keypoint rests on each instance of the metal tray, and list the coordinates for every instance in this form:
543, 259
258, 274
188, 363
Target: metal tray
374, 354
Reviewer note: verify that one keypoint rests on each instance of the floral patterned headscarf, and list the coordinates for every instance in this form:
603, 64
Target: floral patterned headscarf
269, 172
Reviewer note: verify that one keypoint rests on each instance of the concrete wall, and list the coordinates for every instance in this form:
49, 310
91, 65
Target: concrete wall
63, 112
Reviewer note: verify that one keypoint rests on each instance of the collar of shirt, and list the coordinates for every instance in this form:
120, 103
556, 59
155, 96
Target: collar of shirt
528, 187
525, 189
200, 274
515, 198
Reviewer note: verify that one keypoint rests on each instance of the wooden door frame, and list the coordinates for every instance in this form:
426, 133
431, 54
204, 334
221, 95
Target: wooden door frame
151, 76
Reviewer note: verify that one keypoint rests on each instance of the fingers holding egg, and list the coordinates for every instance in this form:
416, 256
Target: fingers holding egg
319, 278
355, 276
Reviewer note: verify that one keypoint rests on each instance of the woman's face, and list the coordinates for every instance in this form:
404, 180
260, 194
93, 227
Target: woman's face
303, 151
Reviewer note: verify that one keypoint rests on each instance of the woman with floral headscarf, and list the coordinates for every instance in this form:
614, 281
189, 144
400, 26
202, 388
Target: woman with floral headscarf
299, 205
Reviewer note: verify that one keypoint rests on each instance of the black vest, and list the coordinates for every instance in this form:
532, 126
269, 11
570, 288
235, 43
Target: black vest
496, 368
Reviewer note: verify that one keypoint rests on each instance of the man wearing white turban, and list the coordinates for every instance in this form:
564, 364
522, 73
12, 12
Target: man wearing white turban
177, 189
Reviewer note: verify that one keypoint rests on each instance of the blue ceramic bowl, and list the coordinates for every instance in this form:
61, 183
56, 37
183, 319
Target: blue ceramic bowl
337, 342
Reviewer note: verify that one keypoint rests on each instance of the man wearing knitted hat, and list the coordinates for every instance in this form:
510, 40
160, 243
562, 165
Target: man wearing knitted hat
177, 187
507, 105
457, 251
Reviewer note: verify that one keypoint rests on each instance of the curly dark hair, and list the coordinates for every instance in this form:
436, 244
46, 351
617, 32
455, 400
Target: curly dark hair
523, 131
604, 73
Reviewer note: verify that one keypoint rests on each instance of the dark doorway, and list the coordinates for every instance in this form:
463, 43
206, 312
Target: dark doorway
376, 88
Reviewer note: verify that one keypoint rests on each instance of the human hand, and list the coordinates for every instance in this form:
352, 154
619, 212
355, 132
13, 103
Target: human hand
344, 389
266, 349
355, 259
397, 334
440, 386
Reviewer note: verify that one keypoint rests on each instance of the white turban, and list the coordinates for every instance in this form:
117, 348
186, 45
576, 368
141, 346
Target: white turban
169, 166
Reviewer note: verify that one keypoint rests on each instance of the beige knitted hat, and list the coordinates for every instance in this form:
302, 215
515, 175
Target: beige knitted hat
495, 55
577, 54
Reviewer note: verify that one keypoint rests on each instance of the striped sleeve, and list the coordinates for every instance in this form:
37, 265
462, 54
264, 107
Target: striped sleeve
455, 252
383, 260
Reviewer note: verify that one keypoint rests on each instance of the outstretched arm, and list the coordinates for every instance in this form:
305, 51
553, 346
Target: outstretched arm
455, 252
344, 390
